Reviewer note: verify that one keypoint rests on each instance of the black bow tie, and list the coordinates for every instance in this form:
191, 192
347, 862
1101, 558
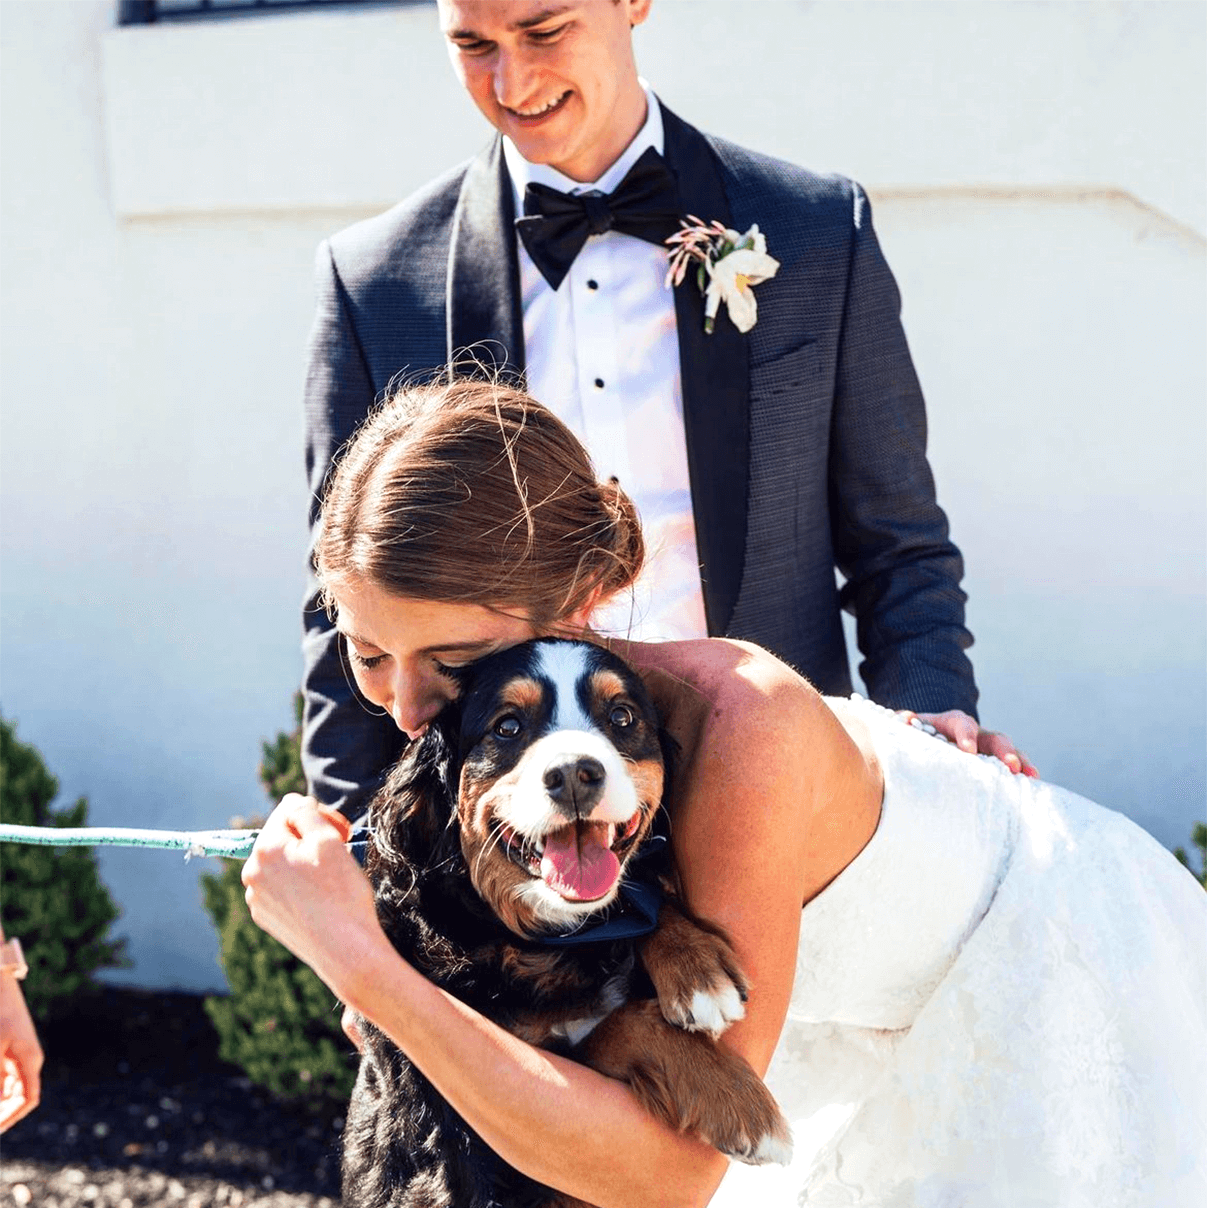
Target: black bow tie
556, 225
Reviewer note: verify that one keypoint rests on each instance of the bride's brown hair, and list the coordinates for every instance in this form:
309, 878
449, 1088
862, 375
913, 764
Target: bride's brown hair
470, 491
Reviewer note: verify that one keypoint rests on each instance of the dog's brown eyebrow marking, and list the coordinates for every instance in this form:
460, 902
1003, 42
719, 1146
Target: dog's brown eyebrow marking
521, 693
607, 684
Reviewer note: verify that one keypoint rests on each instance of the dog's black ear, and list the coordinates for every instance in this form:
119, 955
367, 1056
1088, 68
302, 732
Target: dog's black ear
410, 814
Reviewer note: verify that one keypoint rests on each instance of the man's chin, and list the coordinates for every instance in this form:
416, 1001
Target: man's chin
550, 142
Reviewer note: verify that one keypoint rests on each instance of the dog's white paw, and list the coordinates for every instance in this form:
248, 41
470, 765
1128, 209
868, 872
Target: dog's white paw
713, 1010
772, 1151
773, 1148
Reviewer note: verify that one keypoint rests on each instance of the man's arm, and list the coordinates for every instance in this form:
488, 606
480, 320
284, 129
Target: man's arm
346, 745
891, 537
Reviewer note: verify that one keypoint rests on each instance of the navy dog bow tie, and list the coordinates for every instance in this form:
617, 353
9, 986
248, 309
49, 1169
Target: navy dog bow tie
556, 225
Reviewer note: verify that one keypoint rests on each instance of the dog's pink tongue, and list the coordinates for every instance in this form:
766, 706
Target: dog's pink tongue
578, 863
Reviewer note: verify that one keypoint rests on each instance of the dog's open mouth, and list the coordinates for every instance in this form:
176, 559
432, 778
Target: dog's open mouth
579, 861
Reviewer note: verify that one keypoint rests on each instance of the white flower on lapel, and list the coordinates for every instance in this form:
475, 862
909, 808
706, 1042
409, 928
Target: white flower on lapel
728, 265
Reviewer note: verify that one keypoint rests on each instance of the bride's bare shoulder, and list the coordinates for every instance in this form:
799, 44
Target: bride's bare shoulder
724, 682
764, 757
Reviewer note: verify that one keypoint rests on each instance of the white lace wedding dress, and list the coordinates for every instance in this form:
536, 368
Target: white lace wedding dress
1000, 1003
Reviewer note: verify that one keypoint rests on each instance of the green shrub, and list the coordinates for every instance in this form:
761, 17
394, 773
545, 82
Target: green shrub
53, 899
279, 1022
1199, 837
281, 763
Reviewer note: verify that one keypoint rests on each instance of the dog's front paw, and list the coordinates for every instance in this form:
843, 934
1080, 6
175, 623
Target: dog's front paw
712, 1010
696, 976
741, 1117
766, 1145
691, 1083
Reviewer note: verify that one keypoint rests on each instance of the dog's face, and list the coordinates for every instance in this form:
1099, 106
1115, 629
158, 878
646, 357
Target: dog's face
561, 773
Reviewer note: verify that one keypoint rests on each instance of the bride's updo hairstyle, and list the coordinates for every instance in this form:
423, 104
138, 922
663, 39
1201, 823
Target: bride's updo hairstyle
470, 492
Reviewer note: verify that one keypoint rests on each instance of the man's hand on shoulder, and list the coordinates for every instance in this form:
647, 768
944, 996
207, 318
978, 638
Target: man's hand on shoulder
964, 731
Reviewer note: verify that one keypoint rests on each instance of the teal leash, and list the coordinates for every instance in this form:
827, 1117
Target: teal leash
233, 844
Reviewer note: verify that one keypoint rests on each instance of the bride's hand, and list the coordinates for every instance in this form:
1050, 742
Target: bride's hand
305, 889
964, 731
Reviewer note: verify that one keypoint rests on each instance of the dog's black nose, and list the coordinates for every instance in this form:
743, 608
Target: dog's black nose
576, 783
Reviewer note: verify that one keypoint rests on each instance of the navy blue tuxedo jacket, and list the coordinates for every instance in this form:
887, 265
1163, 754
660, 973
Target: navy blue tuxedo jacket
806, 437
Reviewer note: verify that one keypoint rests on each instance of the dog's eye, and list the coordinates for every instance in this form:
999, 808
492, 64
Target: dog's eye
621, 716
508, 726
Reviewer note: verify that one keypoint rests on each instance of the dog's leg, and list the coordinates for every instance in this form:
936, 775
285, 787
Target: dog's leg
696, 975
690, 1082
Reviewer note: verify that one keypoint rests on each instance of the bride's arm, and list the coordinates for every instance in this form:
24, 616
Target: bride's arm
753, 838
775, 799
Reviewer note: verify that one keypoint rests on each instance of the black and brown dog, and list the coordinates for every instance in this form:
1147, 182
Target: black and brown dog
518, 863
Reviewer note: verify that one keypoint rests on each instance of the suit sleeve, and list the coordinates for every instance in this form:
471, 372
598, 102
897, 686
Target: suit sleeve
347, 745
891, 537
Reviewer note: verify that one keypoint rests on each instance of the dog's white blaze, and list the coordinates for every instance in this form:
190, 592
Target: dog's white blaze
563, 665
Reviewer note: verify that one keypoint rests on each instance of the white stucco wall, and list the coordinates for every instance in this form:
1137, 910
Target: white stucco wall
1037, 171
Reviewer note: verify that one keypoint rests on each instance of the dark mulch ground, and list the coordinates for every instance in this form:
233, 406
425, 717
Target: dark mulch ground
137, 1110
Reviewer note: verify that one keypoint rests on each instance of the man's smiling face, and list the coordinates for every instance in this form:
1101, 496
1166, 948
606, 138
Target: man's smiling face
556, 76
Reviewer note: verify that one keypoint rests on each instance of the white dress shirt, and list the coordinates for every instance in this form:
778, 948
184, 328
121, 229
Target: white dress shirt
603, 354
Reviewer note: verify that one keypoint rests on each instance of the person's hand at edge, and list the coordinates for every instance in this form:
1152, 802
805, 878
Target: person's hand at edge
298, 868
965, 732
21, 1053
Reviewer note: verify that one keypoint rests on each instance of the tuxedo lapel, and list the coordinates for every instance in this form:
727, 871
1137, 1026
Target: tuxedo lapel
715, 379
484, 316
483, 293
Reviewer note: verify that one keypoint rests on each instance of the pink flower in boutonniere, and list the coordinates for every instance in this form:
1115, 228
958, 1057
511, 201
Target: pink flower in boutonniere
727, 266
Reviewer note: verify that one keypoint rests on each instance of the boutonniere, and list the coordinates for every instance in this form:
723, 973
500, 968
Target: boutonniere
727, 266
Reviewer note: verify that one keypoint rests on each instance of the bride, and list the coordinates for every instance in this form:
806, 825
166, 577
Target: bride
968, 987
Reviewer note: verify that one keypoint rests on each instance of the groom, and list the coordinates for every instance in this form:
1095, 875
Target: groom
762, 461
